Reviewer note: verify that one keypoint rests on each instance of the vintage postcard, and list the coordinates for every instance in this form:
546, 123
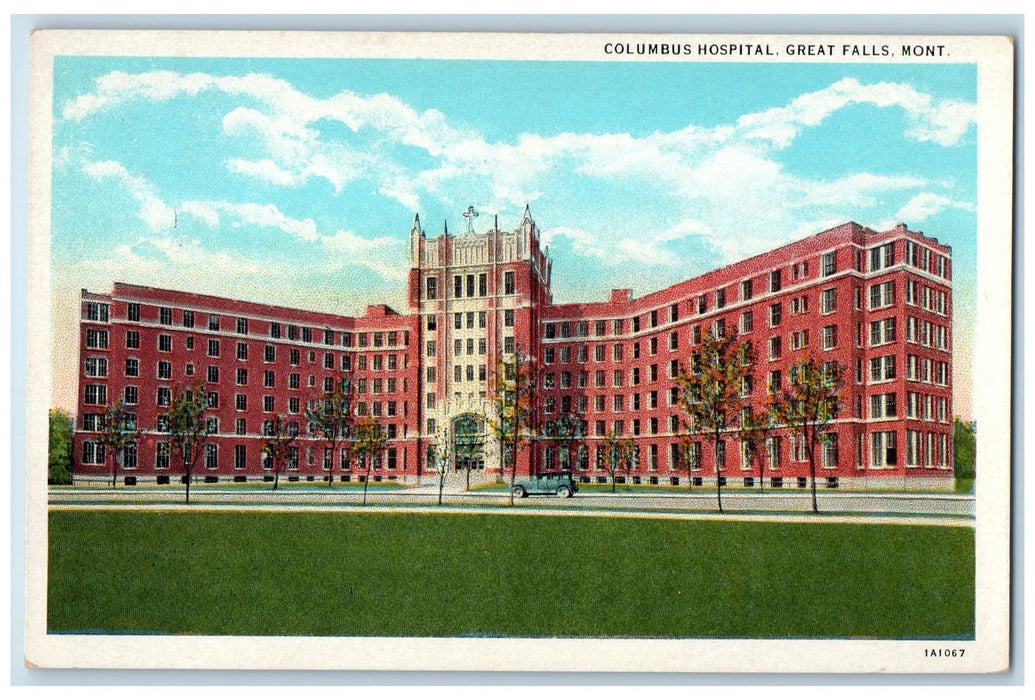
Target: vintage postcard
519, 352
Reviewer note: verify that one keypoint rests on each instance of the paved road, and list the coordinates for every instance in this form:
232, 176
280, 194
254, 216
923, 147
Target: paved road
700, 501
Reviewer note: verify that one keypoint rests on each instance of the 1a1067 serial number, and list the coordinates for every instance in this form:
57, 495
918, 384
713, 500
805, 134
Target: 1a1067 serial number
944, 653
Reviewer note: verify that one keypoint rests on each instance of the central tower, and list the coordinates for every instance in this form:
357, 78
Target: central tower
478, 297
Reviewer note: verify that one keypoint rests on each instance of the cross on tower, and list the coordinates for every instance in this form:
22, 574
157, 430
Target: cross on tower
469, 215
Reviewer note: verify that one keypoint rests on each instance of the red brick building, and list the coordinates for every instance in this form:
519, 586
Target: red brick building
879, 303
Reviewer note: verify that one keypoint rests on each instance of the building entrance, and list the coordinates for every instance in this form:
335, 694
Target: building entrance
469, 442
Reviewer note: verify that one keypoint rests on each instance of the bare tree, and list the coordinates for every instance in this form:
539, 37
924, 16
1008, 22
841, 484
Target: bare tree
438, 454
620, 456
808, 403
188, 427
754, 431
118, 431
710, 390
330, 418
370, 442
277, 445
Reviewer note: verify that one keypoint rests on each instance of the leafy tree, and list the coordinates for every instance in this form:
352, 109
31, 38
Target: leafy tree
964, 449
330, 418
711, 387
277, 446
118, 430
620, 455
566, 433
808, 402
754, 431
513, 418
188, 427
59, 449
370, 442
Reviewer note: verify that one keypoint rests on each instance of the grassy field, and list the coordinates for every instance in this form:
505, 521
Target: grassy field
247, 573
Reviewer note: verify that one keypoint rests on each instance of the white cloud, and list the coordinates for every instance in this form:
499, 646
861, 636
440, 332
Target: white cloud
943, 122
265, 170
927, 204
382, 255
727, 180
153, 211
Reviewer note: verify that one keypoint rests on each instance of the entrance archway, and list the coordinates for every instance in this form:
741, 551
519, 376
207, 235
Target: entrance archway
469, 442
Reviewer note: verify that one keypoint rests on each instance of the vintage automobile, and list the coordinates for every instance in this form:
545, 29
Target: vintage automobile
560, 483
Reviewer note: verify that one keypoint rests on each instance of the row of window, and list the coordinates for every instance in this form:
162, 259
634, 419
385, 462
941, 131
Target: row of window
277, 329
467, 283
93, 453
882, 295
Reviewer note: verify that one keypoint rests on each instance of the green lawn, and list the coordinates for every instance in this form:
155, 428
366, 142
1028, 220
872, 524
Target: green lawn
247, 573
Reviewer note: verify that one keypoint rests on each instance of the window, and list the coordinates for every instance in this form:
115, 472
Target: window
93, 452
165, 370
882, 332
673, 313
508, 282
95, 394
431, 287
96, 339
268, 378
213, 322
774, 315
720, 298
98, 367
165, 316
164, 396
828, 301
829, 336
267, 404
745, 290
132, 312
775, 280
774, 347
470, 285
882, 368
883, 406
430, 348
702, 303
269, 353
213, 348
132, 367
274, 329
882, 256
211, 456
828, 263
882, 295
241, 402
883, 452
800, 339
508, 318
133, 339
747, 322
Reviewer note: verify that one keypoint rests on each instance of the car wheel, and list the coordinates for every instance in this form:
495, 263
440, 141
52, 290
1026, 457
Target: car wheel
518, 491
564, 492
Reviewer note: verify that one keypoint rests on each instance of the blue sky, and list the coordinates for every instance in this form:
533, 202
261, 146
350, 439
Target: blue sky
295, 181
